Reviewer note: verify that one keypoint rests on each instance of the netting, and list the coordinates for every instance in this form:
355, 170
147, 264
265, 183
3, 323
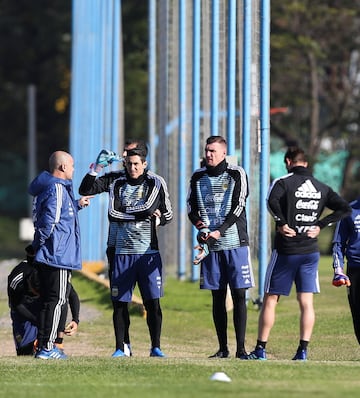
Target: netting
170, 82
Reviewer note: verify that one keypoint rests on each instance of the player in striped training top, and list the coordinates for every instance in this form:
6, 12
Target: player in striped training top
95, 182
138, 203
216, 207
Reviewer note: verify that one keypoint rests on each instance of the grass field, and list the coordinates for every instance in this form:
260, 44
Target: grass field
188, 338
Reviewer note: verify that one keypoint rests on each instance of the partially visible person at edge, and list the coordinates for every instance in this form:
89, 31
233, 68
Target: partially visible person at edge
153, 205
56, 244
24, 304
346, 246
217, 208
296, 201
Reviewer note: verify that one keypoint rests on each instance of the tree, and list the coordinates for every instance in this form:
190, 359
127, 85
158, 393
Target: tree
36, 49
315, 72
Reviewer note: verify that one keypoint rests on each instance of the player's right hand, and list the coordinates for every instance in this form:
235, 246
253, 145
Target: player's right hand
71, 328
202, 235
203, 252
341, 280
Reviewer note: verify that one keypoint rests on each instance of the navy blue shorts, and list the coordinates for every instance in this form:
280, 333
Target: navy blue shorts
143, 269
24, 331
227, 267
283, 270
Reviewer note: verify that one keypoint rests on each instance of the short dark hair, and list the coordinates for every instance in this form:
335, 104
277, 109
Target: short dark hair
295, 154
137, 152
216, 138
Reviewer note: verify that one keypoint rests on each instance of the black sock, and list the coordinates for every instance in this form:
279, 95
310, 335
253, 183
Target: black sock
260, 344
303, 345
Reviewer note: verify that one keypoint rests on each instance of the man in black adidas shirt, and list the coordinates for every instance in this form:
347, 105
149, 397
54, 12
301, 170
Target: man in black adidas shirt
296, 201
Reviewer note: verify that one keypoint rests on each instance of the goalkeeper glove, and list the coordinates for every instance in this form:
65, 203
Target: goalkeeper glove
341, 280
202, 235
106, 157
203, 252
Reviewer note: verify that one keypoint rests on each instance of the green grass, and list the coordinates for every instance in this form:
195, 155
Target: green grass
188, 338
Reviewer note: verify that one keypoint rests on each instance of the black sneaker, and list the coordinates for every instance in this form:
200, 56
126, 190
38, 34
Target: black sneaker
241, 355
221, 354
301, 355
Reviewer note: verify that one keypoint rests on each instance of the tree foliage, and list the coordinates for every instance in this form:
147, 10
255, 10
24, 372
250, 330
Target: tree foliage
315, 73
36, 50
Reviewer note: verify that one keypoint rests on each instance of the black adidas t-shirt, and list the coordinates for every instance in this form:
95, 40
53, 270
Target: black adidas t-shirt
298, 199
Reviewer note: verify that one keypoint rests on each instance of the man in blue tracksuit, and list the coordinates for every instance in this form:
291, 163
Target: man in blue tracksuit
56, 244
346, 245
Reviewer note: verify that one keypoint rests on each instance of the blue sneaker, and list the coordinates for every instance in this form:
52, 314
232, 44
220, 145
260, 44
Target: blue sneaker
55, 353
301, 355
60, 351
258, 353
118, 353
156, 352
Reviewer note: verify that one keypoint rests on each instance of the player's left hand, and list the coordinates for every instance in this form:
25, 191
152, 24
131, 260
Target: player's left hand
84, 201
106, 157
313, 232
71, 328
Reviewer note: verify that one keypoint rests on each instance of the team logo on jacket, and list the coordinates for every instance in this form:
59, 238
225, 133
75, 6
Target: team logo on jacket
307, 191
357, 223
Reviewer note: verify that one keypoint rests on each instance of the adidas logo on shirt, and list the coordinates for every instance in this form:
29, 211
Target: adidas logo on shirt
308, 191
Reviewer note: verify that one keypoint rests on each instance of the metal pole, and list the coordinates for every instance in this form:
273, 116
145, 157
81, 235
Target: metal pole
152, 83
246, 105
231, 76
265, 136
31, 96
215, 68
196, 108
182, 141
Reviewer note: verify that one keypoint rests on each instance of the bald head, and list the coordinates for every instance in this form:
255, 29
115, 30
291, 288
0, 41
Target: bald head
61, 165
